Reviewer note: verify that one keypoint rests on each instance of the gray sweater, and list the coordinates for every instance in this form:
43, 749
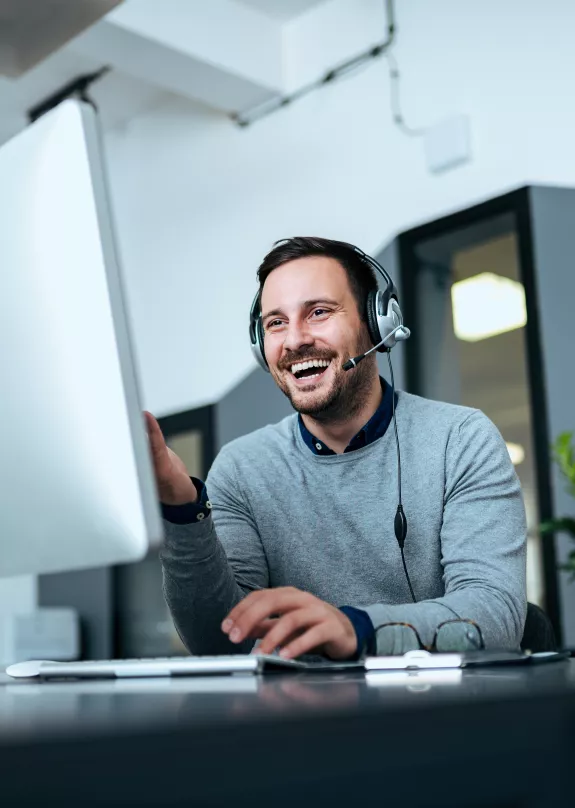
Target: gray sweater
284, 516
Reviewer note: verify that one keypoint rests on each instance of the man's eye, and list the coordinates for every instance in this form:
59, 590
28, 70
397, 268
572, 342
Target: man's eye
273, 324
319, 312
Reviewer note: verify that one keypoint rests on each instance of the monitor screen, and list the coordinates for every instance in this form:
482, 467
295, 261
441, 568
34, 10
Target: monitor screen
76, 481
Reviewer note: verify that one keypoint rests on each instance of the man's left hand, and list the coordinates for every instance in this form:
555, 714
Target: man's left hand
293, 620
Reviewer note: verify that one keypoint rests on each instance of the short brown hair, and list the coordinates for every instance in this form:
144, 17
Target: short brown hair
360, 274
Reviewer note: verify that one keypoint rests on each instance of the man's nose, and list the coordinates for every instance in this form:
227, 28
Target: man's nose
297, 337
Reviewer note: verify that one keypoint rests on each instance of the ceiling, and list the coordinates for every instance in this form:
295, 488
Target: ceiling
31, 30
35, 62
281, 10
40, 54
119, 97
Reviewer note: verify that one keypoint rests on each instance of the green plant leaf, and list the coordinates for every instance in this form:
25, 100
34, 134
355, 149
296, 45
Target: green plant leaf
563, 454
569, 566
565, 525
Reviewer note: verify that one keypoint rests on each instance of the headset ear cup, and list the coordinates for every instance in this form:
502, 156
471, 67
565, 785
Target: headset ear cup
257, 334
389, 322
260, 338
372, 319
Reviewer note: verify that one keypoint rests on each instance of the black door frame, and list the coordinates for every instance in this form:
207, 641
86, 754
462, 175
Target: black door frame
518, 204
201, 420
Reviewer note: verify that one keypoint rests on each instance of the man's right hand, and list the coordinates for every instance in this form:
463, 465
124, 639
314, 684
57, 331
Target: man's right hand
172, 478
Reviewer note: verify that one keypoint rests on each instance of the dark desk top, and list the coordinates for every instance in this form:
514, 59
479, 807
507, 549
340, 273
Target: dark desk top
430, 737
31, 709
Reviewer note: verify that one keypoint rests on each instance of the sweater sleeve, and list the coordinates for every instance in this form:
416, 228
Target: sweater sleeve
483, 543
202, 581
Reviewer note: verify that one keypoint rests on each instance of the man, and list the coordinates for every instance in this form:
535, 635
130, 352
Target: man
295, 545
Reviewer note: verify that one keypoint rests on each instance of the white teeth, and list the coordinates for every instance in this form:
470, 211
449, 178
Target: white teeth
312, 363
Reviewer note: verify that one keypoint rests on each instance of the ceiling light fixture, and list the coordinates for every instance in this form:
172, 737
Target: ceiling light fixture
486, 305
516, 453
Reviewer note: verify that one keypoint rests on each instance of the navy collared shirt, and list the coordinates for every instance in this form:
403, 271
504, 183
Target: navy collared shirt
375, 428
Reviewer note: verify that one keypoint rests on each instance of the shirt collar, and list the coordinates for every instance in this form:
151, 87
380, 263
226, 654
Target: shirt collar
375, 428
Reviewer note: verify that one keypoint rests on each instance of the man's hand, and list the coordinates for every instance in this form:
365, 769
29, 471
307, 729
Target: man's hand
172, 478
294, 620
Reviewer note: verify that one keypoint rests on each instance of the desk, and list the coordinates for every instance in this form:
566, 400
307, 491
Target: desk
502, 737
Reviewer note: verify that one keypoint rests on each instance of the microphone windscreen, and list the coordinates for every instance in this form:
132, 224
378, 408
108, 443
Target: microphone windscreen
353, 362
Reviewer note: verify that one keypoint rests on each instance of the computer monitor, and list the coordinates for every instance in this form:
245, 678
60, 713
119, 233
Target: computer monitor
76, 481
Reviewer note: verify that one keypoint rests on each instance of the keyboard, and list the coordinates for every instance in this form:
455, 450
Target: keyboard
166, 666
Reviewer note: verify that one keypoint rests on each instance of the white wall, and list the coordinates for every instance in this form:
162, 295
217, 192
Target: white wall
199, 201
18, 595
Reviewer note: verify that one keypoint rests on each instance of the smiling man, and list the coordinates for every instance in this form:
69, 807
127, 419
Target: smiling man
292, 541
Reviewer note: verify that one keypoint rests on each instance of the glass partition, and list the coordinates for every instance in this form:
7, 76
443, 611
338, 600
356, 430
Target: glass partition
468, 297
471, 339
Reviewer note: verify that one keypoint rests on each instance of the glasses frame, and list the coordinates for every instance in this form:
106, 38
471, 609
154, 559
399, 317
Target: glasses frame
433, 646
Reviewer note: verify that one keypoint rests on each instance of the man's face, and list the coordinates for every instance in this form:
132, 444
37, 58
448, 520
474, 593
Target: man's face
310, 316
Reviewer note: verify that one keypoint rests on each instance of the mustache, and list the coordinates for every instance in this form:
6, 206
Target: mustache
293, 358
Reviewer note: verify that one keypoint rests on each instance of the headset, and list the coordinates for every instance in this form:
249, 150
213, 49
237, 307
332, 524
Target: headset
385, 327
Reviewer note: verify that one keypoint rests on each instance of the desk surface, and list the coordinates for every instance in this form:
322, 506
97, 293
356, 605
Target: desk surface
31, 710
235, 738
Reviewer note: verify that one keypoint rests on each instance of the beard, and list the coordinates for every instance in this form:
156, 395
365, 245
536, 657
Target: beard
343, 398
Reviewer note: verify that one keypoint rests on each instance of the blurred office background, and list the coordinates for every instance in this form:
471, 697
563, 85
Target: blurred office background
444, 149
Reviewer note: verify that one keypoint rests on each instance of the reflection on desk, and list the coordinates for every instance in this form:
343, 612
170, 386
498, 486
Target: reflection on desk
76, 706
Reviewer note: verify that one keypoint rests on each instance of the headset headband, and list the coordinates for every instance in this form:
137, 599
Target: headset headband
391, 290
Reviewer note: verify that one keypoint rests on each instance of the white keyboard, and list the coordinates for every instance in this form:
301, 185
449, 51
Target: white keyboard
168, 666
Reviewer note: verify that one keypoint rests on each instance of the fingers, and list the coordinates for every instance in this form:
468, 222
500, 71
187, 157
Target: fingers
154, 431
263, 628
260, 605
317, 636
287, 626
150, 420
158, 446
296, 620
